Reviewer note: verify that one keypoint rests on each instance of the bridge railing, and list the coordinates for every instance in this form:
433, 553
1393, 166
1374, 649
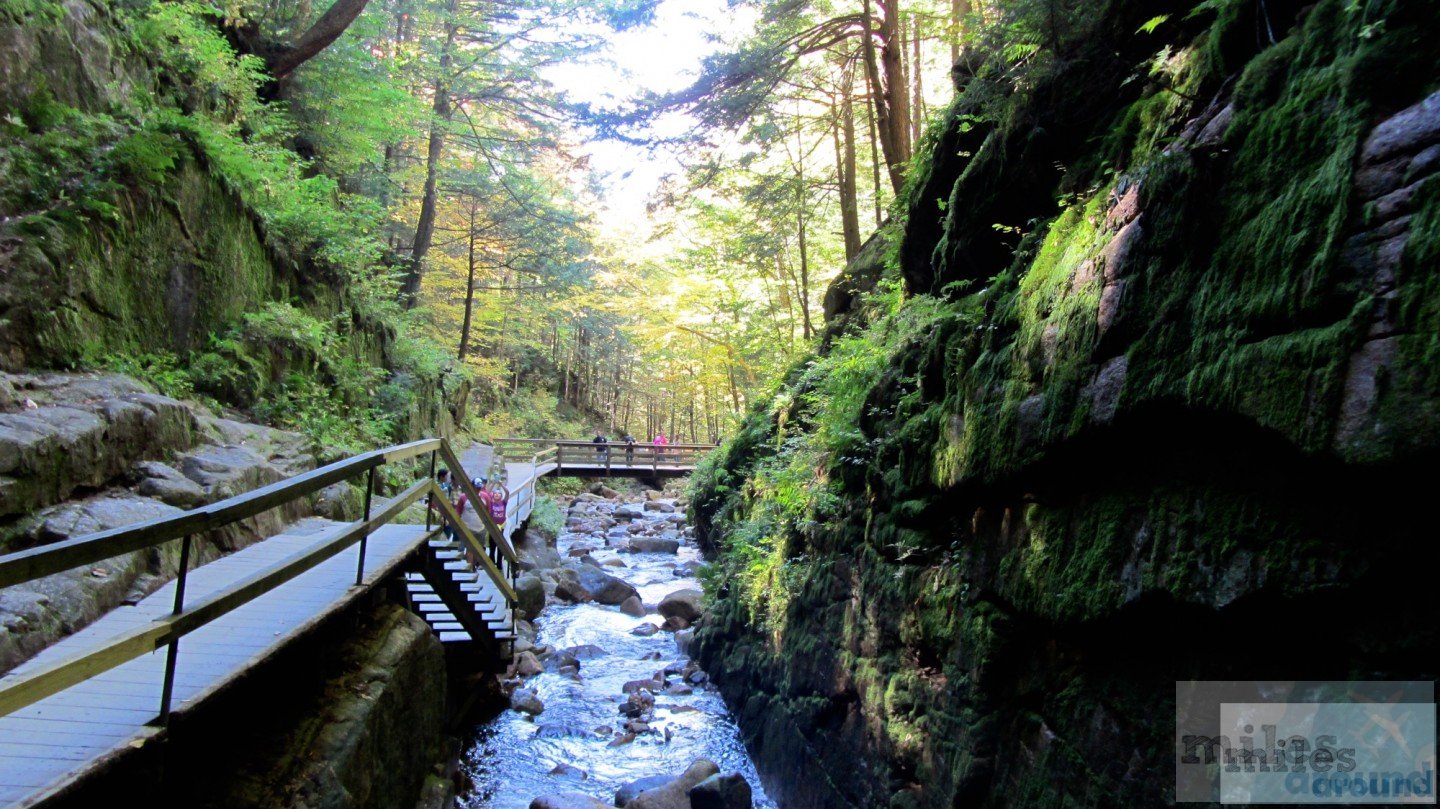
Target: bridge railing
20, 690
614, 456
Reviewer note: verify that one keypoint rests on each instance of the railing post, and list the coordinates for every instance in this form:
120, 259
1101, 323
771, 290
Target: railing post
427, 498
167, 688
369, 489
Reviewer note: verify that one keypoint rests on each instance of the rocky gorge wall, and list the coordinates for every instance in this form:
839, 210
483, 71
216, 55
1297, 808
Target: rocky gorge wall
164, 258
1157, 404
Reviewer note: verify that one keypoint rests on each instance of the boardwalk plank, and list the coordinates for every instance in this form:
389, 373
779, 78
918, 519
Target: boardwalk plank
44, 742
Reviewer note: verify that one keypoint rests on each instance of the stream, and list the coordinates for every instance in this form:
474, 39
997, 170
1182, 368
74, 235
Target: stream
580, 742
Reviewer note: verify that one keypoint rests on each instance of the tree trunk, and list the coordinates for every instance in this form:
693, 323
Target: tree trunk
888, 93
469, 281
326, 30
917, 103
429, 204
844, 131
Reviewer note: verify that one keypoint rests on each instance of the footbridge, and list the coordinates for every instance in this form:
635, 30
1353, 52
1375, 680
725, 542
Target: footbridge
114, 686
529, 458
80, 706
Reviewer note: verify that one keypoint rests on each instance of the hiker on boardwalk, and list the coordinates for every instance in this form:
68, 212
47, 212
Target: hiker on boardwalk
660, 442
442, 479
629, 449
601, 447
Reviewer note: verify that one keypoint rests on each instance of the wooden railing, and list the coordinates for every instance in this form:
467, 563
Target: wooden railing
17, 691
617, 455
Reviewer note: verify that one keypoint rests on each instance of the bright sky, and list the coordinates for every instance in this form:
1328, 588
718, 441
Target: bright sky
661, 58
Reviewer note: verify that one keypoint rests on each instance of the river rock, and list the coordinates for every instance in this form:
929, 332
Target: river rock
603, 587
526, 701
660, 506
639, 704
530, 594
687, 605
568, 586
652, 545
613, 562
569, 771
633, 606
727, 791
675, 795
645, 630
527, 665
567, 800
674, 623
635, 685
628, 511
586, 651
624, 795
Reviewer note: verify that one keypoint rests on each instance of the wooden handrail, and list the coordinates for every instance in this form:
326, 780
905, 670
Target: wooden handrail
17, 691
496, 535
46, 560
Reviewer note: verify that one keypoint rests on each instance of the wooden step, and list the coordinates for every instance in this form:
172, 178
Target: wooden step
451, 636
432, 606
447, 626
425, 598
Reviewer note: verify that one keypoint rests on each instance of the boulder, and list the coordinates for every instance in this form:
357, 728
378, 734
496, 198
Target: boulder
645, 630
530, 594
563, 770
603, 587
675, 795
568, 586
653, 545
687, 605
633, 606
624, 795
526, 664
660, 506
628, 511
526, 701
635, 685
727, 791
166, 484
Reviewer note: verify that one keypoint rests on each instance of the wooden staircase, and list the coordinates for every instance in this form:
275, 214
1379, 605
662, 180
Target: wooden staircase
461, 604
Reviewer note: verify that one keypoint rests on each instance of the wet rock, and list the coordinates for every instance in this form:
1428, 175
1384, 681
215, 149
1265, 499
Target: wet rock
687, 604
557, 659
603, 587
639, 704
683, 639
633, 606
587, 559
530, 594
650, 655
525, 701
675, 623
660, 506
635, 685
637, 727
675, 795
568, 800
696, 677
579, 551
645, 630
526, 665
629, 511
689, 568
606, 492
727, 791
624, 738
678, 690
587, 651
653, 545
569, 771
613, 562
568, 586
624, 795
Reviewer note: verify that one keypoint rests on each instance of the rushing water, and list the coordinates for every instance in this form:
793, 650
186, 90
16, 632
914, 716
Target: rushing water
511, 758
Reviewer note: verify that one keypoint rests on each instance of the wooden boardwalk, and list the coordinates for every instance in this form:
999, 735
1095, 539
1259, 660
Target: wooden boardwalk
60, 738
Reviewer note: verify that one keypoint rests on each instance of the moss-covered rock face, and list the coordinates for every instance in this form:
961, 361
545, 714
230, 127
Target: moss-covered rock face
1171, 429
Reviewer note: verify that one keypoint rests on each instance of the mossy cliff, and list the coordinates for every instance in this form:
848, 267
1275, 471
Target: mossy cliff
136, 229
1144, 392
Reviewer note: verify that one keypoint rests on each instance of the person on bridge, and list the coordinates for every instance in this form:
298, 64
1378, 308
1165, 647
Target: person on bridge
442, 479
495, 497
660, 442
601, 447
629, 449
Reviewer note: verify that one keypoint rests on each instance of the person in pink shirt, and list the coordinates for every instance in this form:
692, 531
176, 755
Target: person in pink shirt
660, 442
